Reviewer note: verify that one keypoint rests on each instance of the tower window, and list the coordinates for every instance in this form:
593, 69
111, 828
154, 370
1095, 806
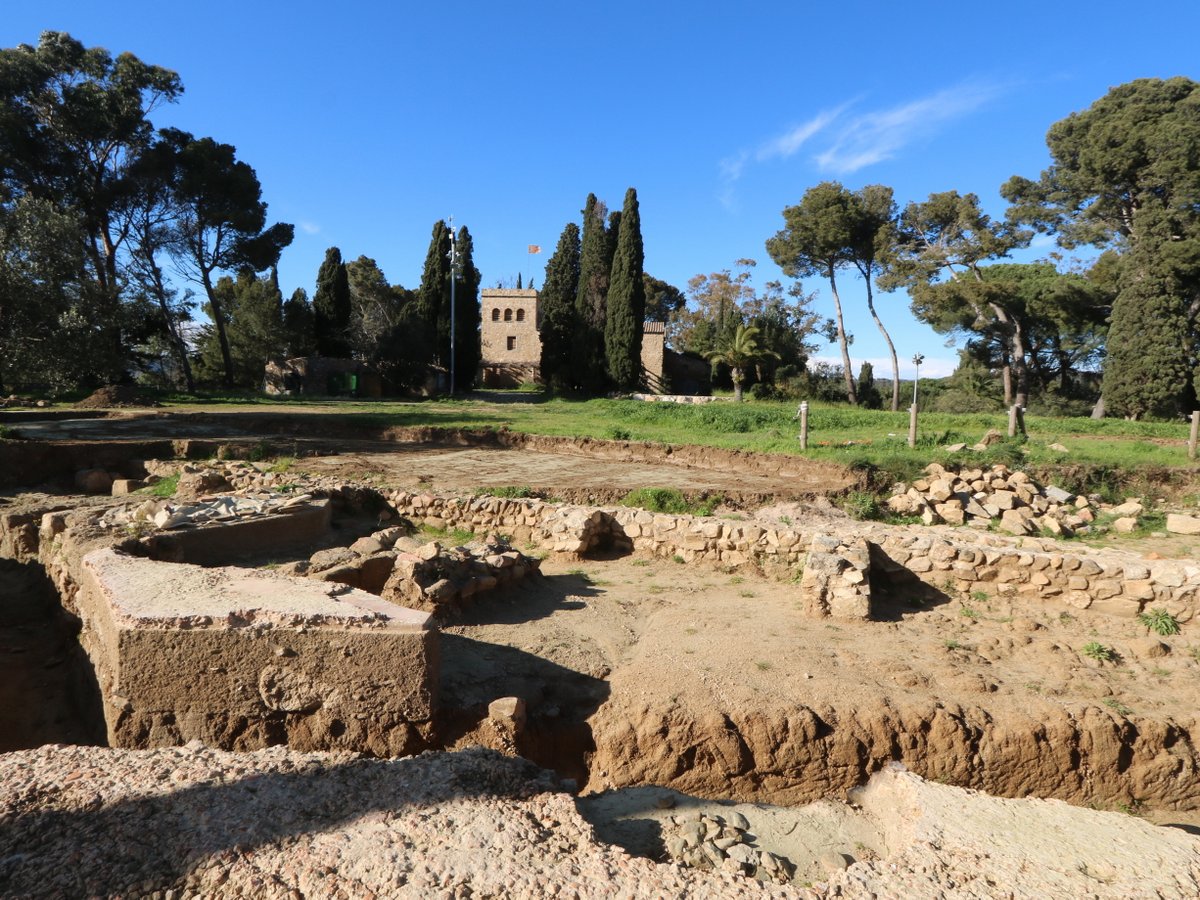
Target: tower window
520, 315
512, 342
508, 315
496, 314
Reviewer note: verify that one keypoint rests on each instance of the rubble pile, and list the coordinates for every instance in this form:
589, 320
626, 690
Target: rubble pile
165, 514
723, 843
1013, 501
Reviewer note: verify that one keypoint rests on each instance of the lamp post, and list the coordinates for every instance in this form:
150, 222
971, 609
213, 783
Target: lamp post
453, 278
917, 360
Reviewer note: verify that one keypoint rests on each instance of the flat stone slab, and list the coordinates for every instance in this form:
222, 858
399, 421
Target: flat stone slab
144, 592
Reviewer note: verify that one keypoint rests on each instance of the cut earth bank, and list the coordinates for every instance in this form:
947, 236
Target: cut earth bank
642, 670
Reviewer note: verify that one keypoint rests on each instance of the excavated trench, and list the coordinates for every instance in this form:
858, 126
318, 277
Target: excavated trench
635, 672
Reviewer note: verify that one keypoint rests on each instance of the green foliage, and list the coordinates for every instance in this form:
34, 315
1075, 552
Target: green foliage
467, 350
861, 505
432, 308
668, 500
1099, 652
331, 306
626, 301
453, 536
740, 352
163, 488
8, 433
299, 325
868, 393
252, 313
1160, 622
589, 364
557, 305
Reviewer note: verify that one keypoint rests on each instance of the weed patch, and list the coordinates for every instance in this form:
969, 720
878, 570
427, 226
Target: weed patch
1160, 621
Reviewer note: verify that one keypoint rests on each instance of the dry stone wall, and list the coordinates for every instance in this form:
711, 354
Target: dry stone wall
1108, 581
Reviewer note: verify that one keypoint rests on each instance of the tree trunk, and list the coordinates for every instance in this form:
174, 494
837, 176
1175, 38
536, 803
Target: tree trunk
738, 377
177, 342
1020, 364
891, 348
851, 394
1006, 376
219, 321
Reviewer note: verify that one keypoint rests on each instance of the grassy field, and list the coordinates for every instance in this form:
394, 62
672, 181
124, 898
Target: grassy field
854, 437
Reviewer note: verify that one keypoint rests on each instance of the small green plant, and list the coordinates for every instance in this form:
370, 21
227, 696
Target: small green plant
980, 596
1160, 621
1117, 706
669, 500
736, 579
282, 464
163, 488
641, 562
8, 433
678, 559
861, 505
763, 665
1099, 652
968, 612
1065, 618
619, 434
747, 594
953, 645
454, 536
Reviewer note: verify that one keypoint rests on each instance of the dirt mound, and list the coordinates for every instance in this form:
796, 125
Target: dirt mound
115, 395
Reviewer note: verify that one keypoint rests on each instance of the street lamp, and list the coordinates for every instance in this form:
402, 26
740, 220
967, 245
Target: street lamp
917, 360
454, 271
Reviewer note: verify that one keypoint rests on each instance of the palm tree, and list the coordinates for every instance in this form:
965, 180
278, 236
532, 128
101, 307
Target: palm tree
741, 352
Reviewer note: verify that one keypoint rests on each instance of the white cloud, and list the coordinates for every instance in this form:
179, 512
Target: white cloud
849, 141
874, 136
788, 143
309, 227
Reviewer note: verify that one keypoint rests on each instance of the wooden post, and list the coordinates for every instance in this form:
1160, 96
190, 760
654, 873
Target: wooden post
804, 425
912, 425
1195, 434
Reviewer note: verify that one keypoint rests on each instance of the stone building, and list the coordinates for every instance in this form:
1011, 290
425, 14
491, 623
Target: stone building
512, 348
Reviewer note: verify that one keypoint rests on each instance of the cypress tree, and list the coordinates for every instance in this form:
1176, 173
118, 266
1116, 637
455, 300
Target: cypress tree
331, 306
467, 351
589, 363
557, 310
1146, 371
626, 300
433, 296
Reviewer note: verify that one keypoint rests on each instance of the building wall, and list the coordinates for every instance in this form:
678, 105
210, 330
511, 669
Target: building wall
653, 346
509, 334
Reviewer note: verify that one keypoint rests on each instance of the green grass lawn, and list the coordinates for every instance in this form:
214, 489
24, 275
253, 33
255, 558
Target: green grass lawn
854, 437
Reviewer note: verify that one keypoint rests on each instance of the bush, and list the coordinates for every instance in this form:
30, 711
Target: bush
861, 505
668, 500
1160, 622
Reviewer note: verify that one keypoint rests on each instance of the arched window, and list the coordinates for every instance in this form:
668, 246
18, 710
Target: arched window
496, 314
508, 315
520, 315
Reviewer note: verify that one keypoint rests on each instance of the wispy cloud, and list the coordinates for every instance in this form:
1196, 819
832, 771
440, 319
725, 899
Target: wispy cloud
846, 140
874, 136
790, 142
309, 227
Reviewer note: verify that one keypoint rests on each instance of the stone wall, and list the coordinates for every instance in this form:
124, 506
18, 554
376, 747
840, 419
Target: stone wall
1108, 581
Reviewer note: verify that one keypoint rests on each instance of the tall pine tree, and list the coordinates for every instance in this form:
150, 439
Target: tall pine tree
433, 296
590, 299
557, 308
331, 306
467, 351
626, 300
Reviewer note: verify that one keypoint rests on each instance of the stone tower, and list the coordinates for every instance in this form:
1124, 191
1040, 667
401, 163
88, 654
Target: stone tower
510, 344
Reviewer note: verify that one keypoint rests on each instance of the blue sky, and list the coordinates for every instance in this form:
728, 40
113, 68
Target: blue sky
366, 122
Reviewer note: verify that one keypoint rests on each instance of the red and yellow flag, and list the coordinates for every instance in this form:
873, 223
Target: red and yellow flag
534, 248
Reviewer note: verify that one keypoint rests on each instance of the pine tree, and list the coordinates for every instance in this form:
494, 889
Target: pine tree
557, 310
331, 306
467, 351
590, 299
626, 300
433, 296
299, 325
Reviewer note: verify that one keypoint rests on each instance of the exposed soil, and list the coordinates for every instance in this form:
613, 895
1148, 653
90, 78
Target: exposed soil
113, 396
716, 685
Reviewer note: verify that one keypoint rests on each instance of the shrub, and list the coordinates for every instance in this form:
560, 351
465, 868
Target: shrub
669, 500
1160, 622
861, 505
510, 492
1099, 652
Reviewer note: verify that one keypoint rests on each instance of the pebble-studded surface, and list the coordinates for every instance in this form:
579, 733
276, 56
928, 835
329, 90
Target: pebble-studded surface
193, 822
